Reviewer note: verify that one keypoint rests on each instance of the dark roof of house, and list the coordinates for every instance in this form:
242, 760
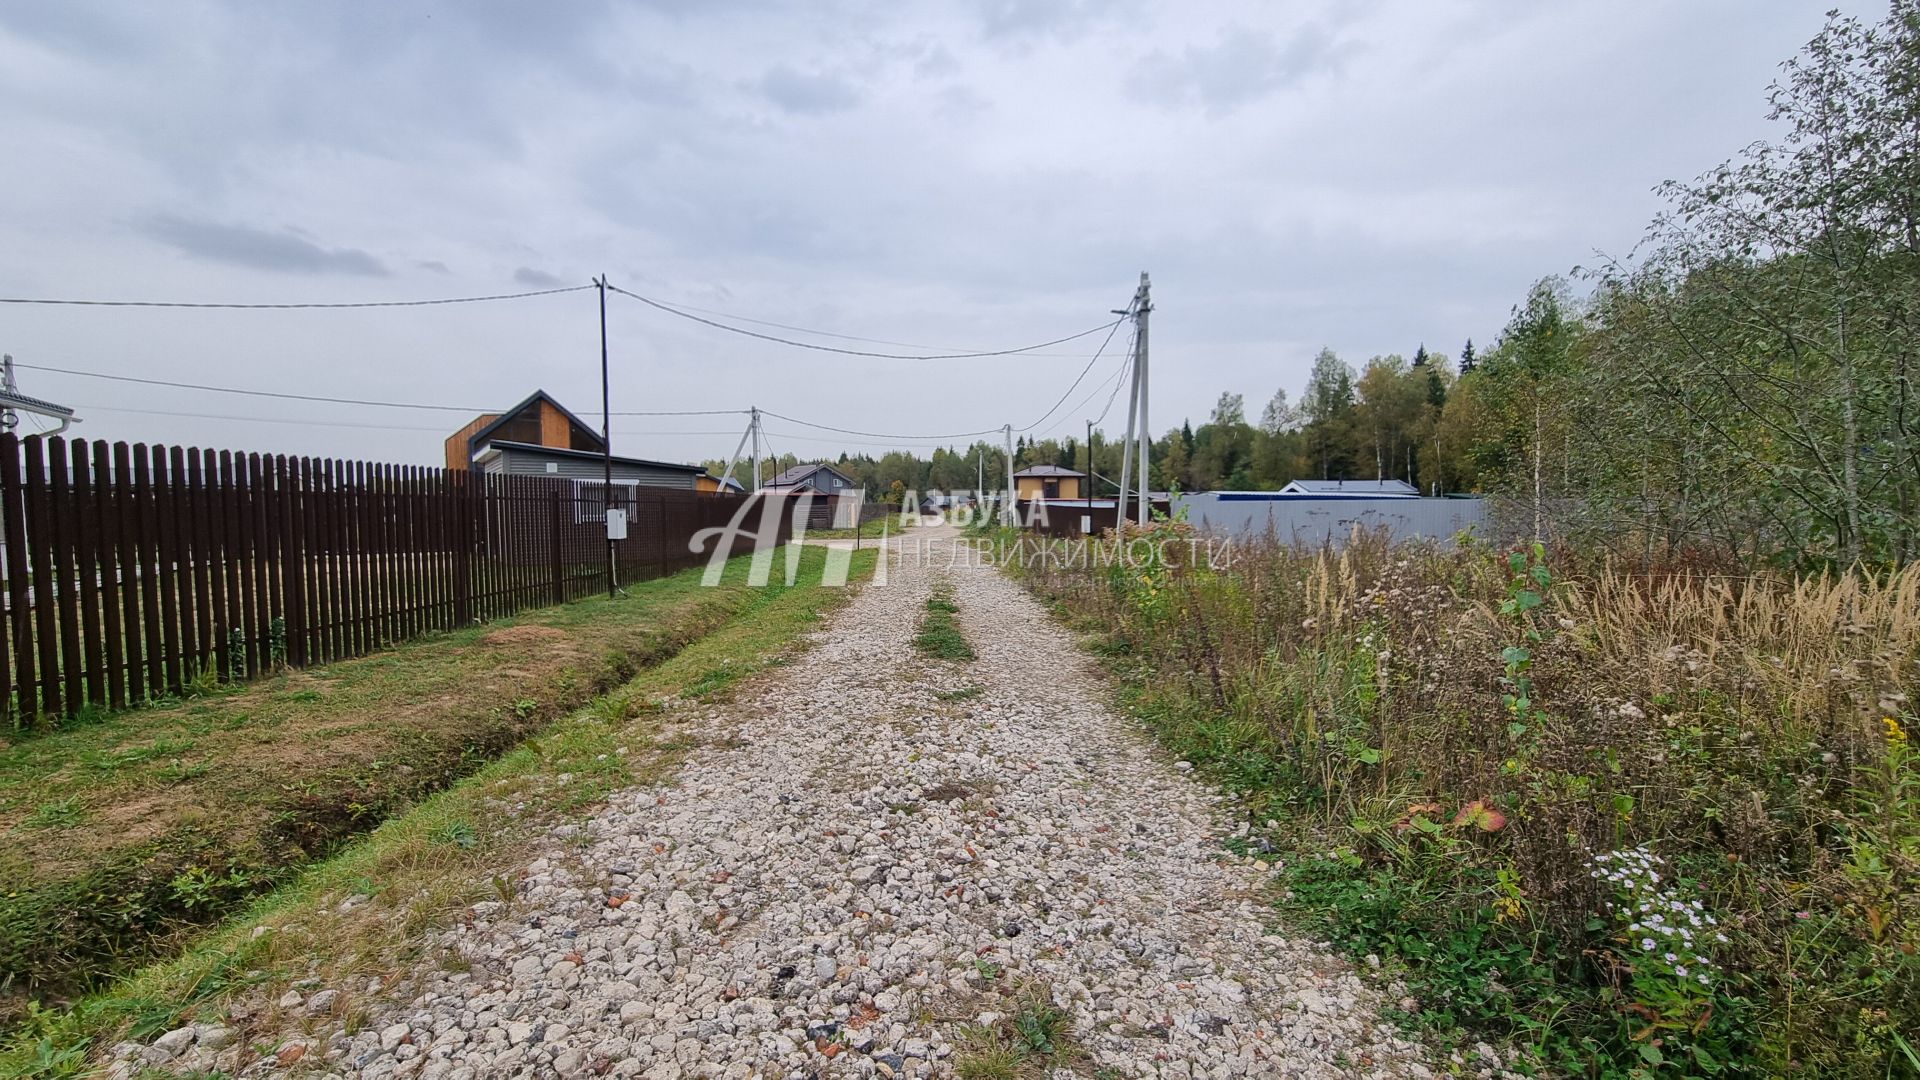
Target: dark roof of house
1357, 487
800, 473
480, 436
593, 455
1048, 470
726, 482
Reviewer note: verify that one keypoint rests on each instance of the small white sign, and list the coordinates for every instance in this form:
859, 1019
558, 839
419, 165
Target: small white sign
616, 524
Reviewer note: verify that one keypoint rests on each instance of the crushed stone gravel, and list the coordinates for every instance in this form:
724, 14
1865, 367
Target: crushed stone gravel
873, 859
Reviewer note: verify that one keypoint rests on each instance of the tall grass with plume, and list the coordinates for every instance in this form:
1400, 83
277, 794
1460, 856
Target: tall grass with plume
1646, 821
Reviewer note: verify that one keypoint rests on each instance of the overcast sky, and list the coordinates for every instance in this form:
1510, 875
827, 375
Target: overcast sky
975, 174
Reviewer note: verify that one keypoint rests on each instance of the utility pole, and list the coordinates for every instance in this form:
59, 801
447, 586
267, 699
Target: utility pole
1126, 446
1090, 470
1143, 304
606, 445
1012, 512
8, 418
754, 428
734, 461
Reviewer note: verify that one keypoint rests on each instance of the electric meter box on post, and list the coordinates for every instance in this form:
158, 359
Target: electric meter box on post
616, 524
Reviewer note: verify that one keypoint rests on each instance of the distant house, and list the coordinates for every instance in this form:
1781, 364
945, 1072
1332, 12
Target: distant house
820, 478
1048, 482
537, 421
835, 509
1353, 489
708, 483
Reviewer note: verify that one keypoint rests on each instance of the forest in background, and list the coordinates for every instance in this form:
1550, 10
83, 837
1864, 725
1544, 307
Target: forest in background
1741, 385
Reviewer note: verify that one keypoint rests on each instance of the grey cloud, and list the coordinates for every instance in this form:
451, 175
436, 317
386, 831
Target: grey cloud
539, 279
1243, 66
286, 251
434, 265
1017, 19
799, 92
936, 63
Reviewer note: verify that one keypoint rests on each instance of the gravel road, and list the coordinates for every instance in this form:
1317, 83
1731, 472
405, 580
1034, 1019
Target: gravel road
884, 858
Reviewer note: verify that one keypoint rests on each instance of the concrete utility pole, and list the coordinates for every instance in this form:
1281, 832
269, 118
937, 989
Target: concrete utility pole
606, 444
1142, 305
754, 428
8, 418
735, 459
1012, 512
1126, 444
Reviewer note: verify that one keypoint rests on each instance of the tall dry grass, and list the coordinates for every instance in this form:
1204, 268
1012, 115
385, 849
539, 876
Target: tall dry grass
1749, 730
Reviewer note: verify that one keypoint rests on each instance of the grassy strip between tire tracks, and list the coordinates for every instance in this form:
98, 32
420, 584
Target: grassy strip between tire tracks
355, 916
940, 636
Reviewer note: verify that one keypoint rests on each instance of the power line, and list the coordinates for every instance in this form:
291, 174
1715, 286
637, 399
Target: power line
246, 393
335, 423
1083, 372
1115, 396
873, 434
838, 440
842, 337
338, 401
282, 307
671, 310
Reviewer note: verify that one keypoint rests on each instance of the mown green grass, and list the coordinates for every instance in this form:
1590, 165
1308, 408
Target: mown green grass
422, 866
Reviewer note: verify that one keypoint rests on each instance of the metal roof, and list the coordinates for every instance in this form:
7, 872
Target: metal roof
480, 436
590, 455
1354, 487
794, 476
1047, 470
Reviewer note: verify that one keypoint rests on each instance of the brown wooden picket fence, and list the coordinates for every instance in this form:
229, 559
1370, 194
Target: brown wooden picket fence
134, 572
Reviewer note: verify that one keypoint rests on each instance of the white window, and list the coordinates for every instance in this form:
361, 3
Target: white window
590, 499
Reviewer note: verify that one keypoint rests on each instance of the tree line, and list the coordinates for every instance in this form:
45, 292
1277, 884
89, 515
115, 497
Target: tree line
1743, 383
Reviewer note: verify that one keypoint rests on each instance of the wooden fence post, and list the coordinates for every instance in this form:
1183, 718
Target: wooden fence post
286, 472
19, 600
559, 579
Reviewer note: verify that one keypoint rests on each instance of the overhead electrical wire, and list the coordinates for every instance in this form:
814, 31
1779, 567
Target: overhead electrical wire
284, 307
339, 401
878, 434
672, 310
1115, 396
1083, 372
847, 439
842, 337
335, 423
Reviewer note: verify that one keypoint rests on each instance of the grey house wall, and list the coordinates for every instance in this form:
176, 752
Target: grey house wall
514, 462
1305, 519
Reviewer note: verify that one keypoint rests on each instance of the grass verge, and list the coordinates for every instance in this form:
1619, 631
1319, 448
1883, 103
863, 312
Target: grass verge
356, 919
126, 836
940, 636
